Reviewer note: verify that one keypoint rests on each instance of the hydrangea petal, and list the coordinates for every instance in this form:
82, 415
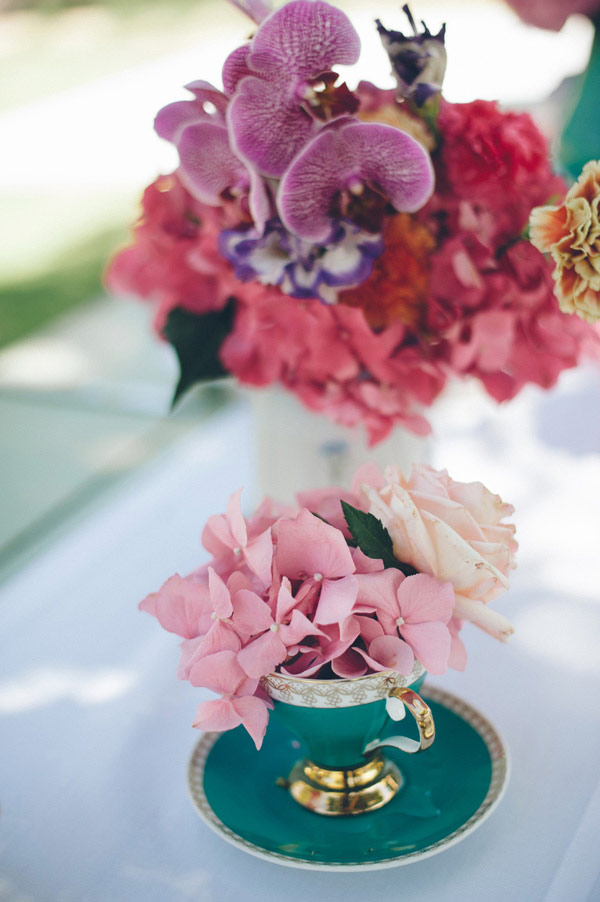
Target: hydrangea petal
423, 598
251, 614
220, 672
218, 714
262, 655
336, 600
306, 546
220, 596
235, 518
259, 556
391, 652
180, 606
431, 644
349, 665
254, 716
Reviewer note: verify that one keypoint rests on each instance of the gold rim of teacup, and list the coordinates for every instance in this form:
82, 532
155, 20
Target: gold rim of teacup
340, 693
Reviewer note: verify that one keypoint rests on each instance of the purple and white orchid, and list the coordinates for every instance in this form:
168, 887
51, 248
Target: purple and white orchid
300, 268
313, 182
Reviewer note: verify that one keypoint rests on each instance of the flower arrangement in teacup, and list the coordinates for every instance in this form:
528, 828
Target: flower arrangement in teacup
352, 582
357, 245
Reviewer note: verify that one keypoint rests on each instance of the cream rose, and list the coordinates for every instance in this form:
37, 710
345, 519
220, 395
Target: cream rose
571, 234
453, 531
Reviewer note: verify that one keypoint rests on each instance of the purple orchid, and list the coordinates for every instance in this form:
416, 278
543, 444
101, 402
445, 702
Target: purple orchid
418, 60
302, 269
274, 110
254, 9
353, 170
209, 105
209, 169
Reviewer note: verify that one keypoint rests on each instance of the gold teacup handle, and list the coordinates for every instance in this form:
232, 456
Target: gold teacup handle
423, 717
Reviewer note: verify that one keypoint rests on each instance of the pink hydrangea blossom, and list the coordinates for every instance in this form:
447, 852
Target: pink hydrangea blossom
308, 601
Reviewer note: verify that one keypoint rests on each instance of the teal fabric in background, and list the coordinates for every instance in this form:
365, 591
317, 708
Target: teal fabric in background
580, 141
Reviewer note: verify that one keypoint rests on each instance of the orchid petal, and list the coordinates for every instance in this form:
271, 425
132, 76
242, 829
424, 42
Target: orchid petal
173, 118
306, 38
235, 68
267, 128
209, 167
378, 155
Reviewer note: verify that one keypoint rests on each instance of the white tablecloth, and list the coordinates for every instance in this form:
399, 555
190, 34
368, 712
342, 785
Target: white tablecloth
96, 729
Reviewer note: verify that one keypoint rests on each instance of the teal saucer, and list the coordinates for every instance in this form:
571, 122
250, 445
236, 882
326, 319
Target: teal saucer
449, 790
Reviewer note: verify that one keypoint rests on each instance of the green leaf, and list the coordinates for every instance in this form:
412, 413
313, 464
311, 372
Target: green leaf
197, 341
373, 539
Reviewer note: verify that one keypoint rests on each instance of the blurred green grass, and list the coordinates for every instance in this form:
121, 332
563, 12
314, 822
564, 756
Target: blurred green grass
56, 243
74, 277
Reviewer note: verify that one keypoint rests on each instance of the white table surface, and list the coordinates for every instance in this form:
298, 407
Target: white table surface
96, 729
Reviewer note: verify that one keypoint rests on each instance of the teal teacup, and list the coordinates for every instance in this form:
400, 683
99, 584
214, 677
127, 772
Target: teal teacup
341, 723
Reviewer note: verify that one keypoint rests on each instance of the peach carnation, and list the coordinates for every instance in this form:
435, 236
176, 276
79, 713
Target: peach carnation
571, 234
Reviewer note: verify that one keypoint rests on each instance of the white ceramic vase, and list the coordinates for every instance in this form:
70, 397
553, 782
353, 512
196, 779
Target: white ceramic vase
297, 448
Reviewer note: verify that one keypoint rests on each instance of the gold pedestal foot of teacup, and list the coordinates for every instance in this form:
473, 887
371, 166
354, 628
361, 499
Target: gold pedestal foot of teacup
345, 791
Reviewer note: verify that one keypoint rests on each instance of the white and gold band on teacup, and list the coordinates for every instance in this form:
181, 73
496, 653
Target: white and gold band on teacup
341, 693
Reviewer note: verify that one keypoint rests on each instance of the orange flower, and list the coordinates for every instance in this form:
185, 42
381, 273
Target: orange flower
571, 234
398, 286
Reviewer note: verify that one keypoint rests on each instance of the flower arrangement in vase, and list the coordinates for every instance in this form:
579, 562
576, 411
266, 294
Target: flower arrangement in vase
357, 246
340, 603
